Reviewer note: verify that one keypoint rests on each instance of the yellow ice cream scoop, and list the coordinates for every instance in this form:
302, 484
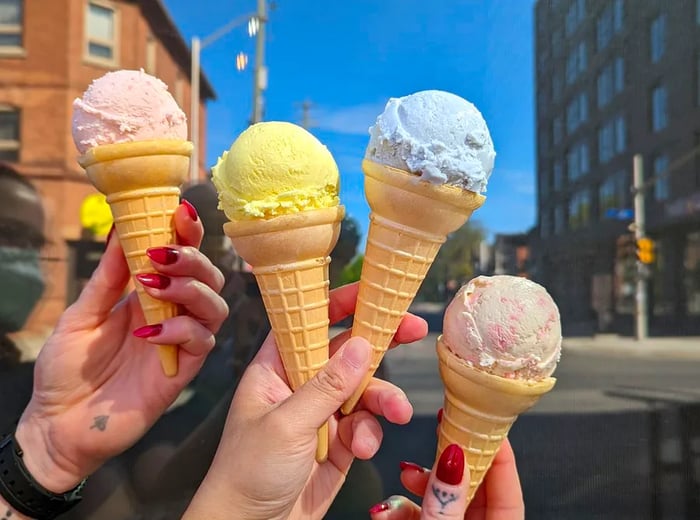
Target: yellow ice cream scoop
275, 168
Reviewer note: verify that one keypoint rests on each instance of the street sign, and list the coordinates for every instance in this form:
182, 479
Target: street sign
619, 214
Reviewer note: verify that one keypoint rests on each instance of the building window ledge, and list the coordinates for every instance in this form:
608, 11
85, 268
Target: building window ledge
13, 52
102, 63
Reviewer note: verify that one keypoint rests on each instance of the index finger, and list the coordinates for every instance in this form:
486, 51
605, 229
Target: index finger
188, 225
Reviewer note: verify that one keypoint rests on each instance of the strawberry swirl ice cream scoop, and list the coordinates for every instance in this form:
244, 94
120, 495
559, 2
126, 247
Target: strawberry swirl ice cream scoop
505, 325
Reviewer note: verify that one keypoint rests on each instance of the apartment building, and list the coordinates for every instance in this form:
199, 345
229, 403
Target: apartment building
615, 78
50, 51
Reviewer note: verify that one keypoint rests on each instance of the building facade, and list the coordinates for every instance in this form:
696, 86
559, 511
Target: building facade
615, 78
50, 51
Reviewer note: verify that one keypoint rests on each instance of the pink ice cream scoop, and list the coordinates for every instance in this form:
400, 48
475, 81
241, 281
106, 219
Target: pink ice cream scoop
505, 325
126, 106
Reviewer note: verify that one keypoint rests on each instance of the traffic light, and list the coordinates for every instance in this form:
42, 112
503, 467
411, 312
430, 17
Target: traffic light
626, 247
645, 250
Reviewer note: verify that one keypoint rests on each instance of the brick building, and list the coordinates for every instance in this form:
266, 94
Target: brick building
615, 78
50, 51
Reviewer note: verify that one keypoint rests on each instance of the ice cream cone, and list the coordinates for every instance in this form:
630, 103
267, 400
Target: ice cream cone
141, 181
479, 409
409, 222
289, 255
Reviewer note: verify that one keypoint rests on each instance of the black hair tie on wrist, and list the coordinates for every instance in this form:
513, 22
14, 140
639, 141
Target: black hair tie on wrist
26, 495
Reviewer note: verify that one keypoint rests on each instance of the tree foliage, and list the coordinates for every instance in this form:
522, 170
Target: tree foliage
455, 262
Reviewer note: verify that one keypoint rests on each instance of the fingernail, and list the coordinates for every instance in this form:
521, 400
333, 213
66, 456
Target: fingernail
148, 331
355, 352
440, 415
109, 235
450, 468
163, 255
378, 508
191, 210
410, 465
154, 280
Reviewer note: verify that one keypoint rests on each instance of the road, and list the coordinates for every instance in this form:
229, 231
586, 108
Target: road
582, 453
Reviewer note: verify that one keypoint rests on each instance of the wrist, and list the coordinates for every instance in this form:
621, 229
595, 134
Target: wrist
13, 514
43, 462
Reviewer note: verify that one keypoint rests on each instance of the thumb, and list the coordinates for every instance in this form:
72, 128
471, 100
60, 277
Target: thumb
446, 494
319, 398
106, 285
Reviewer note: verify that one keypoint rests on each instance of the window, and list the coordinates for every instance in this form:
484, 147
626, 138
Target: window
101, 34
604, 85
557, 43
697, 12
574, 16
544, 184
151, 49
659, 169
604, 28
576, 62
557, 130
610, 81
620, 135
10, 24
612, 193
558, 176
9, 134
557, 86
618, 15
545, 223
577, 161
659, 108
612, 139
658, 37
559, 219
619, 75
576, 112
580, 209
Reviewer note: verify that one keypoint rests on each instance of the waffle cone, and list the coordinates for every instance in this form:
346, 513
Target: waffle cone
289, 255
479, 409
141, 182
409, 222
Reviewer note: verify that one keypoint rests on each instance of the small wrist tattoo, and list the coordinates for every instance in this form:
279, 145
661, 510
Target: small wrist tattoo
444, 497
100, 423
8, 514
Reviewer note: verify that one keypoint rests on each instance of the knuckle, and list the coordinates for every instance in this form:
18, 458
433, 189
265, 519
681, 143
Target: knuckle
329, 382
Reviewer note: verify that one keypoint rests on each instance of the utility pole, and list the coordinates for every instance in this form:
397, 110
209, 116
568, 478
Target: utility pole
194, 109
640, 312
306, 120
260, 72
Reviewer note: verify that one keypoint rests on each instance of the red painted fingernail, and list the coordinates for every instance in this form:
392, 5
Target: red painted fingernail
191, 210
450, 469
382, 506
163, 255
410, 465
148, 331
154, 280
440, 411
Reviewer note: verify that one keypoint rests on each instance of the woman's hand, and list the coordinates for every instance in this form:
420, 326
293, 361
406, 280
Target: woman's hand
265, 467
444, 497
98, 384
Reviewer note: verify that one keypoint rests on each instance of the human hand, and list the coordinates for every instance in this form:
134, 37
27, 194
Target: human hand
265, 467
98, 382
498, 498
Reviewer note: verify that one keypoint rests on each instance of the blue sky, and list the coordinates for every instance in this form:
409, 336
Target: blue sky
348, 58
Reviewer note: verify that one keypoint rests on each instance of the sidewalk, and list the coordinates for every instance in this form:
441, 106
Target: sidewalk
623, 346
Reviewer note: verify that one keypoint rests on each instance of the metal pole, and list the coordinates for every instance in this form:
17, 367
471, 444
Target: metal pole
194, 110
640, 312
259, 63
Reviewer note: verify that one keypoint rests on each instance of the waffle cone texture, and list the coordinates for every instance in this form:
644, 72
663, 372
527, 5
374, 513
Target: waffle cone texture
479, 410
141, 182
409, 222
290, 259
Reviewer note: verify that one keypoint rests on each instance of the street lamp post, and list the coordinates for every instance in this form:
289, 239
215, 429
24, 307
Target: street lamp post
196, 49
